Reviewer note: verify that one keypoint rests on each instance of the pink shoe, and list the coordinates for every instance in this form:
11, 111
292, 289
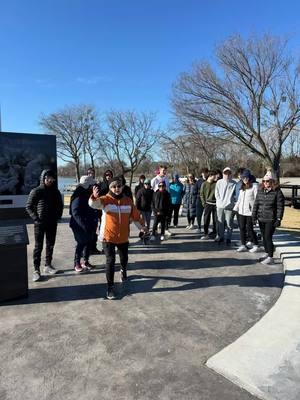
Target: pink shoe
86, 265
78, 268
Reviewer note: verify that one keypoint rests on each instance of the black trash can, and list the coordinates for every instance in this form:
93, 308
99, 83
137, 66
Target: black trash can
13, 260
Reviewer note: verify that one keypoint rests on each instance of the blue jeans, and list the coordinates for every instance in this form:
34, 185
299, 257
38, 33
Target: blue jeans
222, 216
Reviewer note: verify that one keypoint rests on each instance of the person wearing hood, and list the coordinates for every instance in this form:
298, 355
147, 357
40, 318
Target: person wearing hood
104, 185
176, 193
83, 223
140, 184
118, 212
143, 199
126, 189
45, 207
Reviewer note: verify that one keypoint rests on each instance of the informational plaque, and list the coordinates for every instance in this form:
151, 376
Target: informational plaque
13, 254
13, 235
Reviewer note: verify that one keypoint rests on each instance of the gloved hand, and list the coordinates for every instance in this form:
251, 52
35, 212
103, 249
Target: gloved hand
277, 223
144, 229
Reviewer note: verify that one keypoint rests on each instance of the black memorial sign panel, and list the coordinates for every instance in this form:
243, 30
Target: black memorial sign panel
13, 254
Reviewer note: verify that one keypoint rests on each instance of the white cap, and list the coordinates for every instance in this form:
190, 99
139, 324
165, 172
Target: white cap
86, 181
269, 175
226, 169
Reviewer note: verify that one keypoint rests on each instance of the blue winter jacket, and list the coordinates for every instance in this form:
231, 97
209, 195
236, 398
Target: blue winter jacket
176, 192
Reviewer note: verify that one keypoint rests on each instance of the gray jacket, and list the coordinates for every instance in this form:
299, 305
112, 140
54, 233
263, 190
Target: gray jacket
225, 193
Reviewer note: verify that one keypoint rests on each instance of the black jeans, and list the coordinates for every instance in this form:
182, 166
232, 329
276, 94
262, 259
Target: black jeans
267, 230
110, 253
190, 219
246, 229
173, 208
209, 209
159, 218
41, 230
83, 245
199, 212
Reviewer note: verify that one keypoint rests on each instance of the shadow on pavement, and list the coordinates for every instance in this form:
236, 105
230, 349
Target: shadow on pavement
194, 264
144, 284
294, 272
186, 247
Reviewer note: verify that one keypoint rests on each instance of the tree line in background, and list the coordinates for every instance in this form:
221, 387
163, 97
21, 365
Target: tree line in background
241, 110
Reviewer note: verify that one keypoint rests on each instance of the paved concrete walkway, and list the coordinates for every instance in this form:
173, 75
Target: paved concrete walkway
185, 300
268, 364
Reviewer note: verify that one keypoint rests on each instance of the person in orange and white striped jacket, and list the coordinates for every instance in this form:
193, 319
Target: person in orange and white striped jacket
118, 212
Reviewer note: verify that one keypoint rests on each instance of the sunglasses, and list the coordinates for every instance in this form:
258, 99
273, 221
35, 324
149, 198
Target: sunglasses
161, 185
116, 186
264, 181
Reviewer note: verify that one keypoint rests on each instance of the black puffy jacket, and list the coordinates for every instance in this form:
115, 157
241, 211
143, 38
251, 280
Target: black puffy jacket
44, 204
161, 202
268, 205
144, 199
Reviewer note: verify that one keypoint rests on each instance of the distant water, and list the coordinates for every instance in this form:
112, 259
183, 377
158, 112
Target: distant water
63, 181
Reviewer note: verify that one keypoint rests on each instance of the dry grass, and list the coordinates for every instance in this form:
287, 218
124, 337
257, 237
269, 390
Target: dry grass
291, 219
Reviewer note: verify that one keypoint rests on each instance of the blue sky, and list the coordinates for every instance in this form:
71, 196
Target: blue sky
116, 54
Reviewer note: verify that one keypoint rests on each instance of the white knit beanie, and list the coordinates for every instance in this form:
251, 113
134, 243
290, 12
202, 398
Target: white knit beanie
86, 181
269, 175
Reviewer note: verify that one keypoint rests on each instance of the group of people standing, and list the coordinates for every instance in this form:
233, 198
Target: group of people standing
101, 212
217, 198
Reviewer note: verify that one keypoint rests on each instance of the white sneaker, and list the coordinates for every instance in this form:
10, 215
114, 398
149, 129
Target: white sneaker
152, 238
249, 244
168, 233
263, 257
268, 261
241, 249
205, 237
188, 227
254, 249
162, 238
192, 226
49, 270
36, 277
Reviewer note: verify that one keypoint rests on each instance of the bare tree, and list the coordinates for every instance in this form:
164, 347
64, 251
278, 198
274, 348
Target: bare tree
177, 151
293, 144
189, 143
71, 127
91, 144
129, 137
253, 95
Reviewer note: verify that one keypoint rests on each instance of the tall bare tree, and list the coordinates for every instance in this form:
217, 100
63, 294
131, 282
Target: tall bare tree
252, 94
128, 138
91, 144
72, 129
